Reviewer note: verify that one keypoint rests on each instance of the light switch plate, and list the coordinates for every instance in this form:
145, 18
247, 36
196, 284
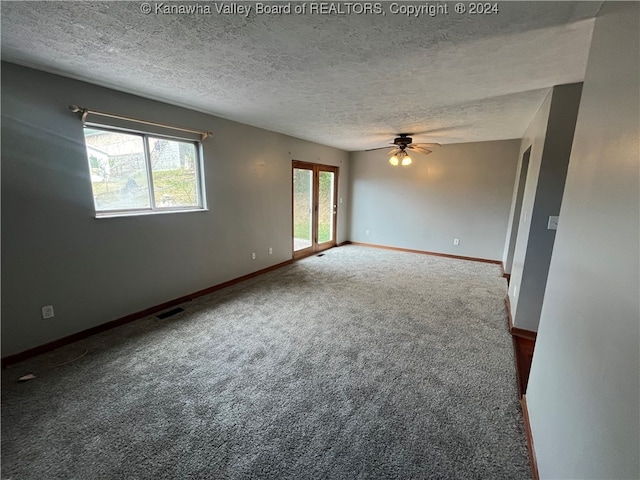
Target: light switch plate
553, 223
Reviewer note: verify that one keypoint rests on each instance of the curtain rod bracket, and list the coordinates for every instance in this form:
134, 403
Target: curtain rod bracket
83, 111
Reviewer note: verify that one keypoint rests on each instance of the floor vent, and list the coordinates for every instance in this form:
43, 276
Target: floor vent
169, 313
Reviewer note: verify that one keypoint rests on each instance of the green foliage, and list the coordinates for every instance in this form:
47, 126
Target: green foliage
301, 230
178, 185
171, 188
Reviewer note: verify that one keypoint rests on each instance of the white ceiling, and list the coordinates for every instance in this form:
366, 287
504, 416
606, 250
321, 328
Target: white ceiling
350, 81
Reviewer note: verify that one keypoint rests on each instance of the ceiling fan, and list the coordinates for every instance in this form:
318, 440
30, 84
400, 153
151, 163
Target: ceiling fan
403, 142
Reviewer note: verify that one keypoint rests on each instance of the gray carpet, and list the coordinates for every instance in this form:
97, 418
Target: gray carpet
362, 363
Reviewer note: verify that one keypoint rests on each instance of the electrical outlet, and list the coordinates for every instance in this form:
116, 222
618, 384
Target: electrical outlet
553, 223
47, 312
456, 241
253, 256
270, 251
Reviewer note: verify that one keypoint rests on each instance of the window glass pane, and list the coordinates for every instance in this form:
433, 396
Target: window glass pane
118, 170
174, 169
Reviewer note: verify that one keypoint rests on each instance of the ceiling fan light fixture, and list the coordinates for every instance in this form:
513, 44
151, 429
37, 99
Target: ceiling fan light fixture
402, 143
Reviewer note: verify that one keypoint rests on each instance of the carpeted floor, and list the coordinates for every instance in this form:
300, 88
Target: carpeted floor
361, 363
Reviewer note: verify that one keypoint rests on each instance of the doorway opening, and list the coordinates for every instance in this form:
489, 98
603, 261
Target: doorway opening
517, 210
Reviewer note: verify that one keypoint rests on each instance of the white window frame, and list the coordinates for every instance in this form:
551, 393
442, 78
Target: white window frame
154, 209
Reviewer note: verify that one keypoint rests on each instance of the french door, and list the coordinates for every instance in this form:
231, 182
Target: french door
315, 207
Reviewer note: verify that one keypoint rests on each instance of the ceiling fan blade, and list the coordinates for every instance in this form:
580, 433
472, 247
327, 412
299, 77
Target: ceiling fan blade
372, 149
424, 151
393, 151
426, 145
380, 148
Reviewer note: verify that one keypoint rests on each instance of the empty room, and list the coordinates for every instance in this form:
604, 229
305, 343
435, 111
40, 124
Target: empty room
320, 240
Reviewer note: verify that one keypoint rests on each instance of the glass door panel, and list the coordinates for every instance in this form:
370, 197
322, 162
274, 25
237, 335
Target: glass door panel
326, 204
302, 209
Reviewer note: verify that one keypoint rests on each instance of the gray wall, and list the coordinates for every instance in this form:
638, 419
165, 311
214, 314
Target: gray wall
459, 191
583, 392
550, 136
95, 270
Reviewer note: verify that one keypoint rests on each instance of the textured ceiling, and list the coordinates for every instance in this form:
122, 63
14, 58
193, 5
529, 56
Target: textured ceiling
350, 81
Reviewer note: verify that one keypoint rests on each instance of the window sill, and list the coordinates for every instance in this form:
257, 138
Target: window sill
144, 213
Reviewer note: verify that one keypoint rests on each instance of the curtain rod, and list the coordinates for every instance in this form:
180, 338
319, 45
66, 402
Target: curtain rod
86, 111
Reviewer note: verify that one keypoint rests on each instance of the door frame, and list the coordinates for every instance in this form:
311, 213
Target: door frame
517, 210
316, 168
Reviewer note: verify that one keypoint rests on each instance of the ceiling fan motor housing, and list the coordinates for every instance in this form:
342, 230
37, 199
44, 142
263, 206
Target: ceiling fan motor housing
403, 139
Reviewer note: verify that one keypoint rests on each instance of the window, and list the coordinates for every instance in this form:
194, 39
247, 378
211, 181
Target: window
137, 173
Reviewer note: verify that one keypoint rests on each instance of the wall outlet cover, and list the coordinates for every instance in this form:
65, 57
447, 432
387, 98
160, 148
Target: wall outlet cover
47, 312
